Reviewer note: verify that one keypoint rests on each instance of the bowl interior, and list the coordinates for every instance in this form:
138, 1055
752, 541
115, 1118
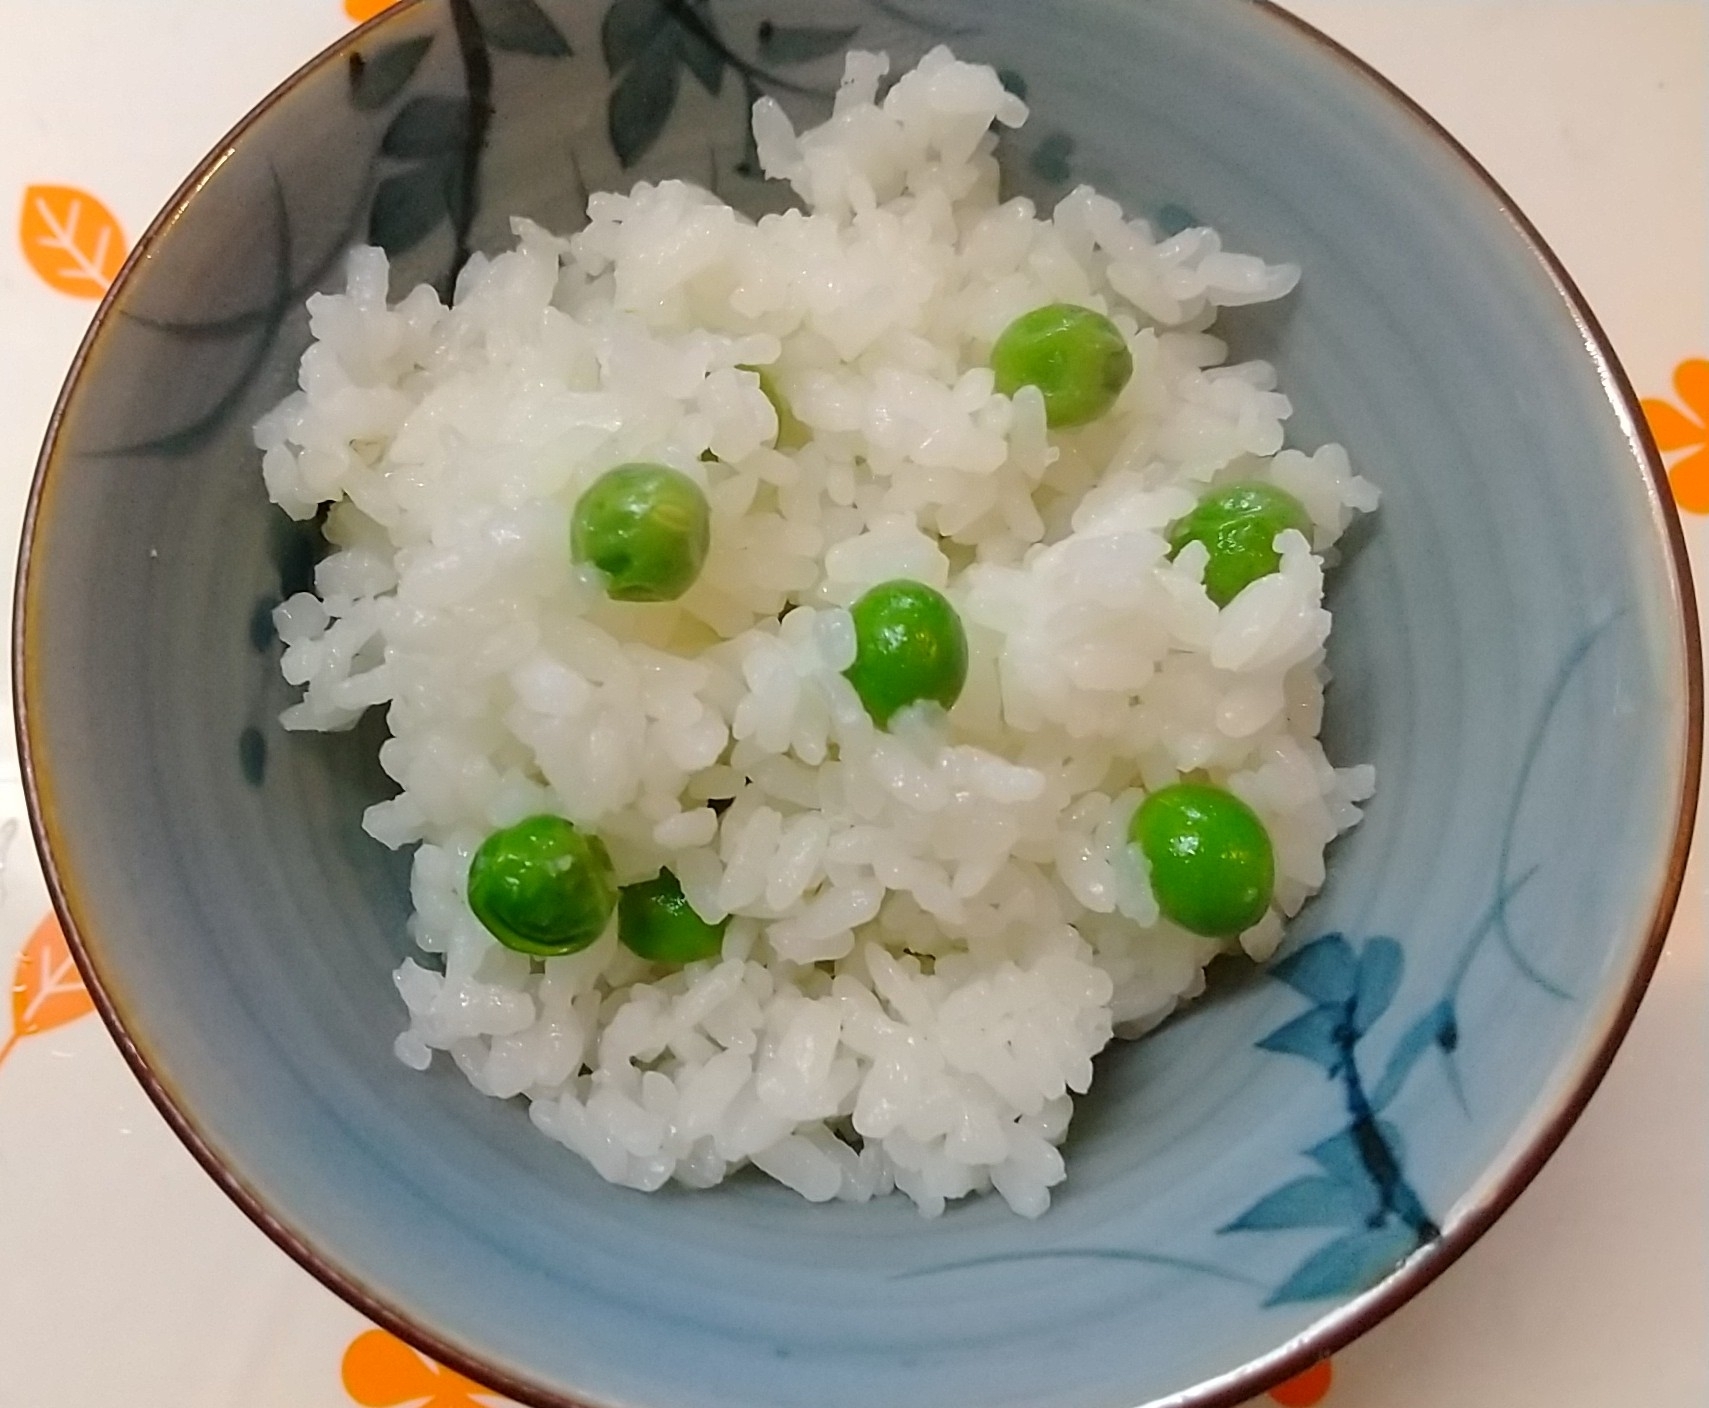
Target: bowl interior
1511, 651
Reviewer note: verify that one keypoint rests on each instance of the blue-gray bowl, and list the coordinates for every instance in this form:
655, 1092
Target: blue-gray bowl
1515, 650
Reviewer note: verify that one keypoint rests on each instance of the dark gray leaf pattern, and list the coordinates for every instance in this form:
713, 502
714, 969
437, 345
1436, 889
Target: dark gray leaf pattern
428, 126
641, 103
627, 28
749, 163
703, 58
252, 756
377, 78
408, 205
1172, 218
192, 435
1052, 159
294, 548
520, 27
454, 178
802, 43
261, 632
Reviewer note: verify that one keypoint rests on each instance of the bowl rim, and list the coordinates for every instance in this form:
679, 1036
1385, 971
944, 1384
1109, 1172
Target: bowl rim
1333, 1330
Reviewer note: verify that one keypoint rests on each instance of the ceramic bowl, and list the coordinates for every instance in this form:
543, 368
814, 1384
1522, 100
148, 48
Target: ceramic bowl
1515, 650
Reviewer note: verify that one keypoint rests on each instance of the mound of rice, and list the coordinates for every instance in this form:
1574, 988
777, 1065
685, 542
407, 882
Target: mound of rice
936, 928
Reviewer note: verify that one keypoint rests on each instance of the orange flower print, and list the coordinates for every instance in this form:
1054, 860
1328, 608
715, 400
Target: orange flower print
1305, 1390
360, 10
1685, 429
71, 240
381, 1371
46, 989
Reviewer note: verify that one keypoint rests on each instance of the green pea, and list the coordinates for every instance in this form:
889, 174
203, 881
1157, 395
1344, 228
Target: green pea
909, 646
791, 433
542, 887
1212, 866
1238, 523
655, 922
1077, 358
647, 528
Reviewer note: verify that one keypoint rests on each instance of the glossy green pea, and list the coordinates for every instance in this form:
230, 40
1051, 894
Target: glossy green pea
542, 887
1213, 869
647, 528
791, 433
1078, 359
909, 646
1238, 523
655, 922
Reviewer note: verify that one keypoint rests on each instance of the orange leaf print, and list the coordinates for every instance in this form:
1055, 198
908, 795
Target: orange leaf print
71, 240
1685, 427
46, 989
381, 1371
1308, 1389
360, 10
1673, 429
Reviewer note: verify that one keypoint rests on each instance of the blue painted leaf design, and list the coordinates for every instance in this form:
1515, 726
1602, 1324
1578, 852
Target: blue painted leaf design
1347, 1265
1053, 157
1309, 1202
1380, 967
1343, 1158
1319, 1035
1013, 81
1448, 1033
408, 207
1410, 1211
427, 127
642, 102
520, 27
1454, 1082
1325, 970
802, 43
377, 78
628, 27
1418, 1038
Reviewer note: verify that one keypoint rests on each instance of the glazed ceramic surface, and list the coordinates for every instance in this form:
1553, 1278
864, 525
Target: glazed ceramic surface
1246, 1187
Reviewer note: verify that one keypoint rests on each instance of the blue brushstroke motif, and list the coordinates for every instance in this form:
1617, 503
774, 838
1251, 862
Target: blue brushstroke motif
1362, 1191
1157, 1259
1053, 158
1172, 218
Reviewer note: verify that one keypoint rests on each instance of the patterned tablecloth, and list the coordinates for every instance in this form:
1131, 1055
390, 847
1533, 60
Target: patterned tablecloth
127, 1279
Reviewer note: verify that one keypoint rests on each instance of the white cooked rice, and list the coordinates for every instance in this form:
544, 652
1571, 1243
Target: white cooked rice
934, 929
